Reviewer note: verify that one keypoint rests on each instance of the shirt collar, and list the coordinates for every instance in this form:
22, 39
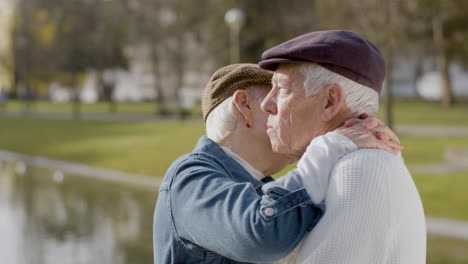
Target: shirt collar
209, 147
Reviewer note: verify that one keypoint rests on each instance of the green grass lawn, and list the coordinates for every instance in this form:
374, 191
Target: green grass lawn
444, 195
405, 111
144, 148
99, 107
44, 106
441, 250
420, 150
416, 112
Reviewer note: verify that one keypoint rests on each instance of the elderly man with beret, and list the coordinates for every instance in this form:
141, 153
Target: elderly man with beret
373, 210
218, 203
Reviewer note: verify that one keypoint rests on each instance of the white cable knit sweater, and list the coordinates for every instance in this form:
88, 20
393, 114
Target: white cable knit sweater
374, 214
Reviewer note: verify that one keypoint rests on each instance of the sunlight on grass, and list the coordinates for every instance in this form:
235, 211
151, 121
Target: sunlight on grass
441, 250
145, 148
419, 150
416, 112
99, 107
444, 195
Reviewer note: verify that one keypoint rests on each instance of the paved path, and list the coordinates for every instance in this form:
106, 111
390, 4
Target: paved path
82, 170
432, 130
437, 226
448, 228
438, 168
94, 116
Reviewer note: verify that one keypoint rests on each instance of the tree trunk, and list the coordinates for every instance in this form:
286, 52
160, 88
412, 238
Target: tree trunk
24, 43
160, 102
106, 91
389, 91
76, 104
179, 69
418, 72
179, 74
442, 61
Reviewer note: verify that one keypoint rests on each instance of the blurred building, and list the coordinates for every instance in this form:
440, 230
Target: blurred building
140, 81
416, 77
429, 85
6, 15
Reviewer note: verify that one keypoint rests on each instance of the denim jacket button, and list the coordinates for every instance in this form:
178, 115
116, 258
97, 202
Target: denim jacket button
269, 211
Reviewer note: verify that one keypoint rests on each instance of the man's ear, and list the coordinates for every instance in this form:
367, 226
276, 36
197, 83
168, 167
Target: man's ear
242, 101
333, 101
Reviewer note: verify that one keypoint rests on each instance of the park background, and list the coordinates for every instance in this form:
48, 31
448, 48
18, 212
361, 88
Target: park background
98, 97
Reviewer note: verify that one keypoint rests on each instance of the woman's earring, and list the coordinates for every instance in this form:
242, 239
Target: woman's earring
247, 125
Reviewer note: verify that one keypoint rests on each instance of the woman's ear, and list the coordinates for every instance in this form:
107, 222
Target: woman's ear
333, 101
242, 101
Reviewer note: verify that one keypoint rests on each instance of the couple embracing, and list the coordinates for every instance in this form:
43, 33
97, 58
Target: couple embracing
350, 199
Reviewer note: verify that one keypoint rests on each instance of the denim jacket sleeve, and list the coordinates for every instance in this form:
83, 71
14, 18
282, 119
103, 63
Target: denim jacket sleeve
211, 209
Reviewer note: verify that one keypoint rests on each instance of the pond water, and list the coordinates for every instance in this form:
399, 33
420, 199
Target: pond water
46, 218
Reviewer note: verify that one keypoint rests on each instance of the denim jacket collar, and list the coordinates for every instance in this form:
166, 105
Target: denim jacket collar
209, 147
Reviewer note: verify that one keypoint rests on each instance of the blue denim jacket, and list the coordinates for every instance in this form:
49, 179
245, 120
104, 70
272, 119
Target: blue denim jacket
210, 210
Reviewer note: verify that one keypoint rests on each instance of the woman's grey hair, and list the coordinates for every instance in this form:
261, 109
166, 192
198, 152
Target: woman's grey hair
224, 119
358, 98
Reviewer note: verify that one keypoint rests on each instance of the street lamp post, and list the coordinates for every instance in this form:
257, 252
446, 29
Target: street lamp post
235, 19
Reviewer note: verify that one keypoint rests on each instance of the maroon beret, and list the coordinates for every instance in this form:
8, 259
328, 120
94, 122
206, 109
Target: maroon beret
343, 52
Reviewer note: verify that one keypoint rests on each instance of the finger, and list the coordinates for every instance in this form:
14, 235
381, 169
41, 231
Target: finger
377, 120
382, 128
382, 136
351, 122
382, 143
370, 123
387, 131
363, 116
394, 145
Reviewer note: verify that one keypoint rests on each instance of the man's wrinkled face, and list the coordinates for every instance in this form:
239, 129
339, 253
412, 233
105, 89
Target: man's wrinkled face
294, 119
260, 117
259, 126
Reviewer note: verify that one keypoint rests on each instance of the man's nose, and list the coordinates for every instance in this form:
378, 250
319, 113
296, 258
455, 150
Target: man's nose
269, 104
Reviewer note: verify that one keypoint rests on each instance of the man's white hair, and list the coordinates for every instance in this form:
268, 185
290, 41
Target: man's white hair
224, 118
358, 98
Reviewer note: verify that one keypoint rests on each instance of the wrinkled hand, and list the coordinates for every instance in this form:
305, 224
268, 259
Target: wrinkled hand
370, 133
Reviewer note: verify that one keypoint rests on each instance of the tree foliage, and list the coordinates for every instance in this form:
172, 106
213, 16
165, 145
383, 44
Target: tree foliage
56, 37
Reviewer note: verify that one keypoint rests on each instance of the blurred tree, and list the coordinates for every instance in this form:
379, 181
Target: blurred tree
24, 46
89, 35
188, 39
145, 30
162, 26
54, 37
444, 24
6, 59
183, 36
